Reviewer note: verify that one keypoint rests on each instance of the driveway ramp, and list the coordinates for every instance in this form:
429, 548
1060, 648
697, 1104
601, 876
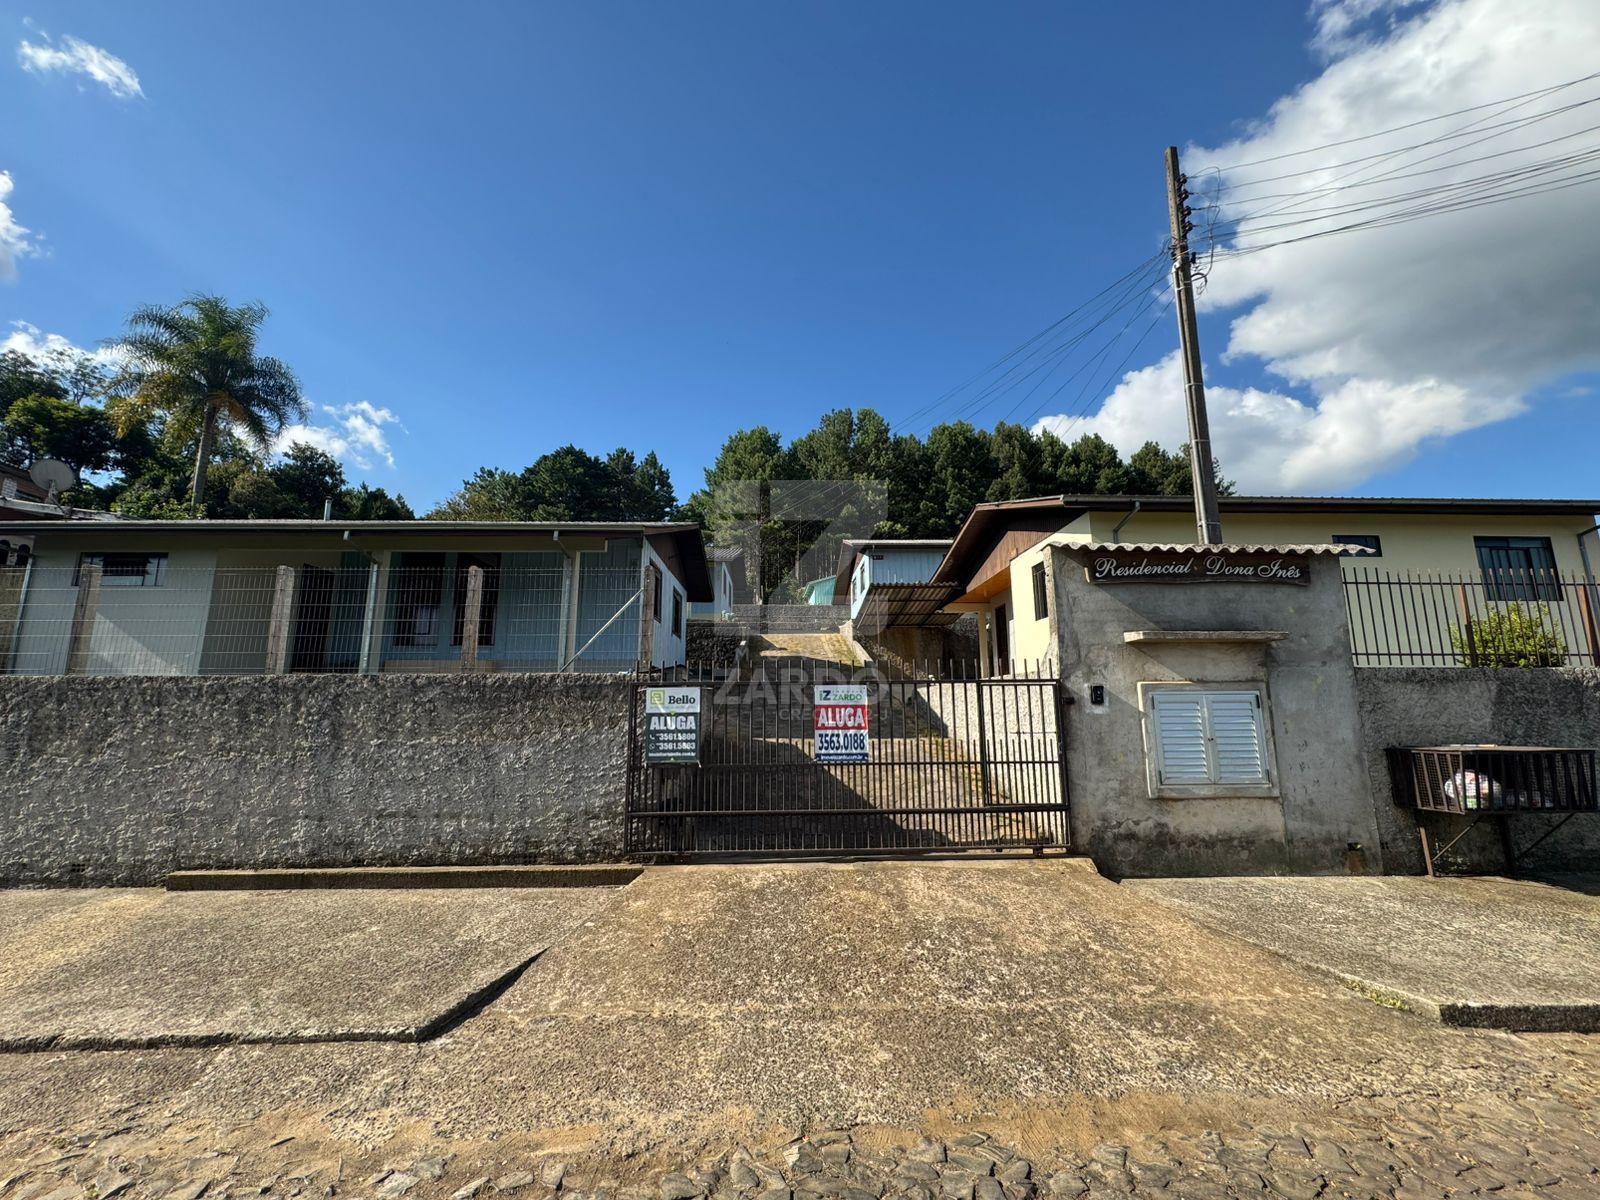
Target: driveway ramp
125, 968
1491, 953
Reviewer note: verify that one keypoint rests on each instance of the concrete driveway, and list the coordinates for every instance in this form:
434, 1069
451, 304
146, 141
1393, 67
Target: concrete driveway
1499, 953
138, 967
708, 1005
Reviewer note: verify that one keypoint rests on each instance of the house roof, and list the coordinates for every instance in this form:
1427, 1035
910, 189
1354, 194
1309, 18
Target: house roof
1337, 548
986, 521
690, 544
851, 548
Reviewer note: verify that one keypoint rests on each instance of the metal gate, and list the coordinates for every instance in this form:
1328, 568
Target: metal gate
953, 762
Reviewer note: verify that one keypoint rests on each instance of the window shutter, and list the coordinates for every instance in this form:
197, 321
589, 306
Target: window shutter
1209, 738
1181, 738
1235, 720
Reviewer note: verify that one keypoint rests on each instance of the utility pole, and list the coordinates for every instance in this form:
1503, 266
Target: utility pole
1208, 525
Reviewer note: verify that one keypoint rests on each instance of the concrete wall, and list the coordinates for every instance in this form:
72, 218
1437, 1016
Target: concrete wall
121, 780
1324, 799
1431, 706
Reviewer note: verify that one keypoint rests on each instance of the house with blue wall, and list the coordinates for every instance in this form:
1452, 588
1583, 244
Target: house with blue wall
253, 597
885, 580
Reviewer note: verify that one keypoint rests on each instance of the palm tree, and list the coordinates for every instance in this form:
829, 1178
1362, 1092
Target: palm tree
196, 363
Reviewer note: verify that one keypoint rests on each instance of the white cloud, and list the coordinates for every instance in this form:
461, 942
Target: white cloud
1386, 338
77, 57
16, 241
29, 339
1271, 442
357, 434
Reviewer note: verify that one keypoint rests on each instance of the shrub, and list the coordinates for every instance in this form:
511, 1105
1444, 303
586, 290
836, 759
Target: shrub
1512, 636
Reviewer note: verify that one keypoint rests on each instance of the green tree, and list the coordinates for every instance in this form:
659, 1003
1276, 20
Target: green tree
961, 470
364, 503
651, 495
196, 365
490, 495
307, 477
43, 426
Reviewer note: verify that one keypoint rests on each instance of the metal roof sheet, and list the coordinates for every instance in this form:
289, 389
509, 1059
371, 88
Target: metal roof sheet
1337, 548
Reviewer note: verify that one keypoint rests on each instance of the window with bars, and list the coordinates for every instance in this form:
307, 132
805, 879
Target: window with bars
125, 570
1041, 593
1518, 568
1214, 740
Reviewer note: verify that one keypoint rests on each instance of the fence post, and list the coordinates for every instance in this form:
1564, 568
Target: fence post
1466, 624
471, 612
83, 611
279, 639
372, 622
1586, 614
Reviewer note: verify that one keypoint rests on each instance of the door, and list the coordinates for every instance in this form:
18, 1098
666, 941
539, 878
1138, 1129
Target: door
1002, 641
313, 617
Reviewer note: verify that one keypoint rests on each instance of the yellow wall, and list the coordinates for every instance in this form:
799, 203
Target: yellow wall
1411, 544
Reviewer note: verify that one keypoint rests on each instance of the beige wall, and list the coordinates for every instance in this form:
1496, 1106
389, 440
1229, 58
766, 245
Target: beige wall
1411, 544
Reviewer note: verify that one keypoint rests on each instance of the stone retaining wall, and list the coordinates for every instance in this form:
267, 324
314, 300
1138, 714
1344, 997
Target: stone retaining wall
121, 780
1432, 706
791, 618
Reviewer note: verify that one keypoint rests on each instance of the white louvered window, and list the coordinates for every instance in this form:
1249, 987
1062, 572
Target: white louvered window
1206, 739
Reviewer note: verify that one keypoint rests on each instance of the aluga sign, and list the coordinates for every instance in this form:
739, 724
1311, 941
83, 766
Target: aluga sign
843, 735
672, 725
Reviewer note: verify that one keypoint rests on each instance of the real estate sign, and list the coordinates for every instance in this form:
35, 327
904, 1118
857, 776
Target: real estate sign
671, 725
843, 735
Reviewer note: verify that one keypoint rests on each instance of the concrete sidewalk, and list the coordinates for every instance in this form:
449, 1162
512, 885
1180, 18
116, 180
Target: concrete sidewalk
1493, 953
123, 968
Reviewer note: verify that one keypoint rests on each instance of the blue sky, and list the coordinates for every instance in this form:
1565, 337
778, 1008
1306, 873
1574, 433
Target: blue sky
511, 226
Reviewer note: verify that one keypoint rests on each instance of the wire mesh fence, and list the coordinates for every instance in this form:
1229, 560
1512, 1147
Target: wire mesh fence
1506, 617
137, 615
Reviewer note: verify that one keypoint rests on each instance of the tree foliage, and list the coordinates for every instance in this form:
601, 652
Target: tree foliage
567, 484
194, 366
930, 485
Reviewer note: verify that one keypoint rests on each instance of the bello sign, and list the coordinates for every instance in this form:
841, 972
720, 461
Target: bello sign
671, 725
841, 720
1132, 566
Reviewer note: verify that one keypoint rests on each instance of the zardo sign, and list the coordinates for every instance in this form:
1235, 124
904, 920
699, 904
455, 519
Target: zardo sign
841, 721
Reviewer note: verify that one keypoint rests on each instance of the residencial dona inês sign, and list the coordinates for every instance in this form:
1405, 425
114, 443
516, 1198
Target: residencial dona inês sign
1133, 566
671, 725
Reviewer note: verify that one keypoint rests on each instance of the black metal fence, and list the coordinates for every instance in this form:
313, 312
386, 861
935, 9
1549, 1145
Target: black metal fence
942, 762
1503, 618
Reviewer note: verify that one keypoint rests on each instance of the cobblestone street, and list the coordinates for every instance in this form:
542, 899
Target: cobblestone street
1508, 1147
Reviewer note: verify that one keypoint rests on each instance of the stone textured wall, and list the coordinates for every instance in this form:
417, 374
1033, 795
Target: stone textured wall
1432, 706
121, 780
714, 643
791, 618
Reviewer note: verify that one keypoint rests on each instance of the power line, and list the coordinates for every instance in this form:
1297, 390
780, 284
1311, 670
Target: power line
1365, 137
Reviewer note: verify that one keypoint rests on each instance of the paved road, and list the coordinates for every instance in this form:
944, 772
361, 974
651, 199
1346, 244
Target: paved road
1106, 1040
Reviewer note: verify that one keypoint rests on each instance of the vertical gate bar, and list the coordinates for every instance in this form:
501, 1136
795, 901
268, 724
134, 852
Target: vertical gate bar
628, 798
1062, 712
983, 743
